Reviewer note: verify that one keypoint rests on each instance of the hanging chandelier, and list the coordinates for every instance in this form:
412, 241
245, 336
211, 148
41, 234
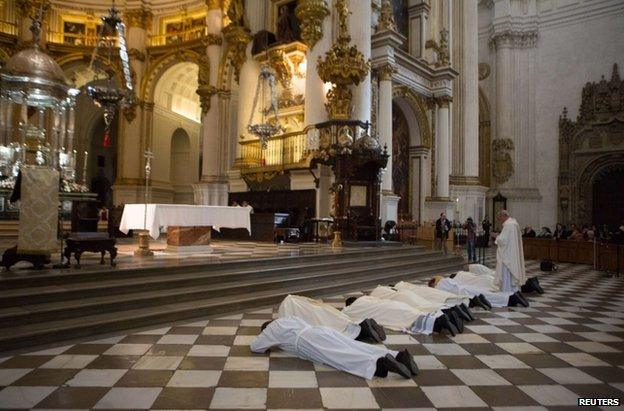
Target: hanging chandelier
106, 93
266, 91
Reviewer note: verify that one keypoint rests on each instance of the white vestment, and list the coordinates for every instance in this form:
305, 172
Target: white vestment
480, 269
317, 313
497, 299
407, 297
320, 344
510, 256
483, 282
433, 294
394, 315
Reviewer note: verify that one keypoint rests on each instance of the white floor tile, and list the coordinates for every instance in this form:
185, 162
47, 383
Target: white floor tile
194, 378
239, 398
453, 396
344, 398
125, 398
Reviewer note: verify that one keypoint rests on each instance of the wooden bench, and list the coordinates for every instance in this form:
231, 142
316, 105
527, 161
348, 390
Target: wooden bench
78, 243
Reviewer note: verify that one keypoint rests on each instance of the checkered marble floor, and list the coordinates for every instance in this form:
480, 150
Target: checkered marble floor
568, 344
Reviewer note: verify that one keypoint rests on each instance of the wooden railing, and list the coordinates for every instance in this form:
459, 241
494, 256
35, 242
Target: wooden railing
603, 256
8, 27
283, 150
72, 39
178, 37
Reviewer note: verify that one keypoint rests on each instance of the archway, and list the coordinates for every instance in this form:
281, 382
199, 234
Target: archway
180, 174
608, 197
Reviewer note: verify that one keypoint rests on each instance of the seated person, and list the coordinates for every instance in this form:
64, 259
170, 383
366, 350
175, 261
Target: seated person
455, 314
528, 232
317, 313
531, 285
575, 234
481, 287
544, 233
328, 346
397, 315
560, 232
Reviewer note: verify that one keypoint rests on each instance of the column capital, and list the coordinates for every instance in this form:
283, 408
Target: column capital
139, 18
442, 101
386, 72
213, 4
147, 105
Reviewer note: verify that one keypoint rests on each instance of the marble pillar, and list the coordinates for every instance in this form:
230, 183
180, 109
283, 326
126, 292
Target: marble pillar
443, 146
314, 109
212, 189
360, 31
389, 200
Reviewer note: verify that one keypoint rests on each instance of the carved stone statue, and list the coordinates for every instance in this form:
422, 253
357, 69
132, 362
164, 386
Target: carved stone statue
287, 26
203, 77
236, 12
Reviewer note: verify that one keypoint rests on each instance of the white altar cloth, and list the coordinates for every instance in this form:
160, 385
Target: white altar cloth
162, 215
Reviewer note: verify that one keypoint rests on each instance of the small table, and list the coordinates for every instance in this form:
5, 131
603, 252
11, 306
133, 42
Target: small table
317, 224
79, 243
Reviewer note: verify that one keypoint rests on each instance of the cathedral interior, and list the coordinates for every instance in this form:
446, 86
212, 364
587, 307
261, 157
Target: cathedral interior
211, 157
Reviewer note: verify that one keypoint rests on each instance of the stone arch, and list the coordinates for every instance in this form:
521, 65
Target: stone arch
161, 66
582, 200
485, 140
414, 108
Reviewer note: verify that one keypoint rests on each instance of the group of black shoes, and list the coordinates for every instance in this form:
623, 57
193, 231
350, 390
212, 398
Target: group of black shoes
403, 364
371, 330
480, 301
452, 319
532, 285
517, 299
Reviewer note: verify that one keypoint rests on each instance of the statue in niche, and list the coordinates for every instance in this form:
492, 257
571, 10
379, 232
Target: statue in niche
287, 25
236, 12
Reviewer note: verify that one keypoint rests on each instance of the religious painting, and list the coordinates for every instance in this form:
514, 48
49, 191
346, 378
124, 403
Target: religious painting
401, 18
287, 27
400, 160
73, 33
357, 196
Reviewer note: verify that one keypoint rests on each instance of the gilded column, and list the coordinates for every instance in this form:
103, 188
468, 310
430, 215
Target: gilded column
360, 31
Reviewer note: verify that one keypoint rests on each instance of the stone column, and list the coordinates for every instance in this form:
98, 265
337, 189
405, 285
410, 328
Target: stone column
314, 107
360, 31
443, 145
418, 11
135, 123
213, 188
389, 201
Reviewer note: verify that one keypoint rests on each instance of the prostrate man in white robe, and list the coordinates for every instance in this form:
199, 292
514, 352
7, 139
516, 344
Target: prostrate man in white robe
397, 315
444, 299
455, 314
480, 287
317, 313
531, 285
510, 272
328, 346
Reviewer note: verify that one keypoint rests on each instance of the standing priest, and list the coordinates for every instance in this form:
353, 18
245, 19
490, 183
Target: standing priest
510, 272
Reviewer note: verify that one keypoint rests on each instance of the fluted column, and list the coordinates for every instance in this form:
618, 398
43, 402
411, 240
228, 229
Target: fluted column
442, 149
360, 31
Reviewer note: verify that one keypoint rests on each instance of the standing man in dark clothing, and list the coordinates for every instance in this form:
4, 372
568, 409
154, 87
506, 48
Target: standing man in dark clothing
443, 226
486, 231
471, 238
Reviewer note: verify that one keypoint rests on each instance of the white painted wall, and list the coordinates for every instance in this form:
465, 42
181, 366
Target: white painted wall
578, 41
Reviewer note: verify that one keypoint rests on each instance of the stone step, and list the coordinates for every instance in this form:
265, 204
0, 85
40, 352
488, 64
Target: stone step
34, 313
34, 295
26, 335
13, 281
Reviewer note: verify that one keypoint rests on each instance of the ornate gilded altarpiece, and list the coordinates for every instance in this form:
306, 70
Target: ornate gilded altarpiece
590, 147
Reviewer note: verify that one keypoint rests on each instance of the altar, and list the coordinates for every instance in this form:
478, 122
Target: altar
188, 226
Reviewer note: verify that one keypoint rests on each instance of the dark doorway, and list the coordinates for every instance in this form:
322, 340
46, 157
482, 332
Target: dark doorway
608, 200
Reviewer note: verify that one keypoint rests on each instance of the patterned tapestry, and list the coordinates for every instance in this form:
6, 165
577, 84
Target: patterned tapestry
400, 160
38, 210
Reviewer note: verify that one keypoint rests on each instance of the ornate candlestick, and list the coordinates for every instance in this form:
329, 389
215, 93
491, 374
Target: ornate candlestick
144, 247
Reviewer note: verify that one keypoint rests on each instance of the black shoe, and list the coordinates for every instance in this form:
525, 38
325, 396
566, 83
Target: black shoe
536, 285
444, 323
367, 332
390, 364
513, 301
461, 313
405, 358
466, 310
476, 302
523, 301
485, 301
380, 330
455, 320
526, 288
